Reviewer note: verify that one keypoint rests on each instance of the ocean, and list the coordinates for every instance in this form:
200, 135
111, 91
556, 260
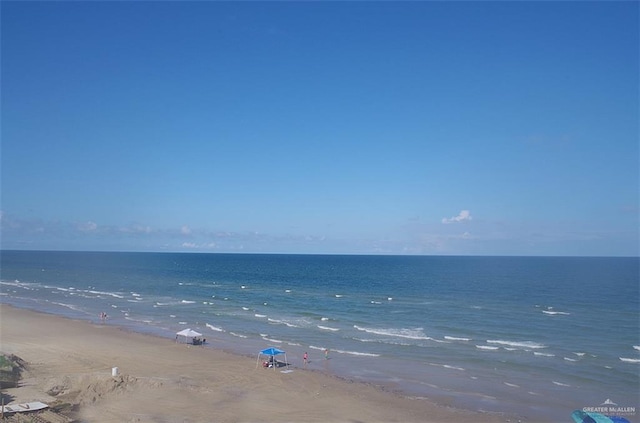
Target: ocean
535, 336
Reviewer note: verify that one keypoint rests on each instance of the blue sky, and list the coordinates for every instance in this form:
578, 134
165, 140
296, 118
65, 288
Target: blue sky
460, 128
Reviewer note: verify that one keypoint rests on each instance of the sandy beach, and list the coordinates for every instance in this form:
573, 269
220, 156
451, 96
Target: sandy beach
160, 380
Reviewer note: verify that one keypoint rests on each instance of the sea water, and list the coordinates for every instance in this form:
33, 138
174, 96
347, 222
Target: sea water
535, 336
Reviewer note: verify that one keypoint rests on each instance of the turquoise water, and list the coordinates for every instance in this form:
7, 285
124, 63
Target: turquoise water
537, 336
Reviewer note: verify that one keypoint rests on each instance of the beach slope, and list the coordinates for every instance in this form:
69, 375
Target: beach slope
159, 380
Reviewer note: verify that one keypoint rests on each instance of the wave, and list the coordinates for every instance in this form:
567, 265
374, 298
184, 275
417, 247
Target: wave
69, 306
636, 347
386, 341
238, 335
110, 294
447, 366
517, 344
328, 328
487, 347
277, 341
312, 347
570, 359
629, 360
454, 338
401, 333
214, 328
513, 385
339, 295
554, 313
187, 302
543, 354
560, 384
360, 354
282, 322
260, 315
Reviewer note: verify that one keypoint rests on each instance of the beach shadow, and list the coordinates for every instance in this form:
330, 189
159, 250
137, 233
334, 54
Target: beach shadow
6, 398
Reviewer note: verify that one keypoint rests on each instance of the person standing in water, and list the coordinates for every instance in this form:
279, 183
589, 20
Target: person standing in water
305, 358
326, 353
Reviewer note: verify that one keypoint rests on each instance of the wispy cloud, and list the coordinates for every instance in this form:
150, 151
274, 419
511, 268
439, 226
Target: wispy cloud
87, 226
464, 215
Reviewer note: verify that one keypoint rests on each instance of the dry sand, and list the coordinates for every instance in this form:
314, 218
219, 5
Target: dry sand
163, 381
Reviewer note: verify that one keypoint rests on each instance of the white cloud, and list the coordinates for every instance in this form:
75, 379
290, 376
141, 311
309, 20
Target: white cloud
189, 245
185, 230
464, 215
88, 226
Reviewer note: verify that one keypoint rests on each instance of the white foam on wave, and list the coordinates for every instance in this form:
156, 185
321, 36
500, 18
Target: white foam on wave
513, 385
282, 322
386, 341
416, 333
629, 360
339, 295
277, 341
543, 354
636, 347
556, 313
447, 366
262, 316
324, 319
69, 306
561, 384
238, 335
328, 328
214, 328
487, 347
517, 344
579, 354
187, 302
570, 359
356, 353
110, 294
455, 338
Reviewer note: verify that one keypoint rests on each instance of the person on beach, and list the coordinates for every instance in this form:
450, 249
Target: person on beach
326, 353
305, 358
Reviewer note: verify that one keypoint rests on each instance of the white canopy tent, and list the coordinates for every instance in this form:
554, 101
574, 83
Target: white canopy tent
188, 333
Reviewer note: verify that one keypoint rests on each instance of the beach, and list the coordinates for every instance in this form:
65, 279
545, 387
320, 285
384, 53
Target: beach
160, 380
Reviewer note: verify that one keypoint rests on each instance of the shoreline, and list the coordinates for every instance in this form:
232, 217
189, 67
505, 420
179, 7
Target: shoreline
161, 380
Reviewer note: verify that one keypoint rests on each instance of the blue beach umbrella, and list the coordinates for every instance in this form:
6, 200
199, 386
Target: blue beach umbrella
272, 352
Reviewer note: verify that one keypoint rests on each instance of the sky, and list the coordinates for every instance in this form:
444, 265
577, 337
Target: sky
417, 128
